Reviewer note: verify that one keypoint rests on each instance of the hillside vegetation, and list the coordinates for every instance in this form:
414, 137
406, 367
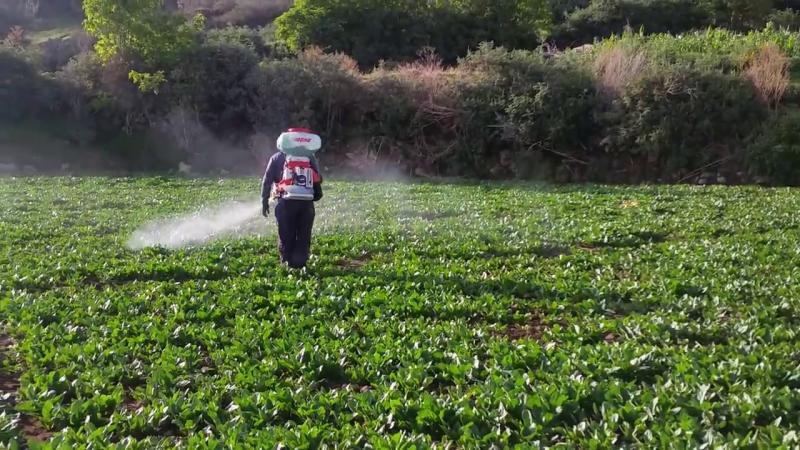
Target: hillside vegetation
603, 90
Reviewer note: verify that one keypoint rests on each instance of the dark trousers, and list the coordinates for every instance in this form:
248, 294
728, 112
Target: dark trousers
295, 222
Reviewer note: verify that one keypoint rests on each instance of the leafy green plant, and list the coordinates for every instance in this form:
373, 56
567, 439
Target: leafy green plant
472, 315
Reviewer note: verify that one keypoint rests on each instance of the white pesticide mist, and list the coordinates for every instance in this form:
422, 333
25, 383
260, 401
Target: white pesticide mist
231, 219
339, 211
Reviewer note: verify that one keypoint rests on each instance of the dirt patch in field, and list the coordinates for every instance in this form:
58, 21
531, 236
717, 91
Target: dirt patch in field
29, 427
587, 247
131, 404
9, 382
354, 263
534, 328
33, 430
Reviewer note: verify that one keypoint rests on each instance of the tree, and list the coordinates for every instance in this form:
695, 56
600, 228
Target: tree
739, 14
140, 30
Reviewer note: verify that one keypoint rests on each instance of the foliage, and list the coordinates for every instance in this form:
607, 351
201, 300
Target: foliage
676, 119
738, 14
148, 82
785, 19
23, 90
246, 37
315, 90
140, 29
775, 150
608, 317
606, 17
533, 105
560, 9
715, 49
372, 31
212, 82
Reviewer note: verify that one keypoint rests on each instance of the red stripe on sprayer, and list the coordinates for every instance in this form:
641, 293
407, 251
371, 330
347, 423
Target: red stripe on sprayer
300, 164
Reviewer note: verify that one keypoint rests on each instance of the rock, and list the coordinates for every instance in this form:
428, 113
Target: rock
722, 180
64, 167
184, 168
702, 181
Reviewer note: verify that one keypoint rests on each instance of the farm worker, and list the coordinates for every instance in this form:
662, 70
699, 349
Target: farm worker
293, 181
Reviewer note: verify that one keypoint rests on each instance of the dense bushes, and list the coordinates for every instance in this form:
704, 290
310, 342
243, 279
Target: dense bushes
212, 81
372, 30
774, 152
599, 19
19, 85
681, 119
636, 107
607, 17
519, 104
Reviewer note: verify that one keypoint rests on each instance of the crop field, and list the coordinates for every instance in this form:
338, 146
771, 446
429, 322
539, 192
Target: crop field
448, 316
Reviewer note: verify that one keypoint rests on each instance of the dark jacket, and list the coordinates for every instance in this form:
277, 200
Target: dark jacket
274, 173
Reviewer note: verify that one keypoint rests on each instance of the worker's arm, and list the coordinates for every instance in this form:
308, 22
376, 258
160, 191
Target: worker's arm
317, 179
271, 175
315, 166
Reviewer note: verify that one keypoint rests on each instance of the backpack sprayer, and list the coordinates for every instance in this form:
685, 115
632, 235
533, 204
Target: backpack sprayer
299, 176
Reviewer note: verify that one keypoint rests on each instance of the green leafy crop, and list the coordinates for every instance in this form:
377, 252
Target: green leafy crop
455, 316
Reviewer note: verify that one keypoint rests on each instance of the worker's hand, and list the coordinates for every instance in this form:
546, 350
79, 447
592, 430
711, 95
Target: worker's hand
265, 209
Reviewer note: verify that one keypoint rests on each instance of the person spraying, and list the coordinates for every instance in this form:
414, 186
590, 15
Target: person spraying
293, 182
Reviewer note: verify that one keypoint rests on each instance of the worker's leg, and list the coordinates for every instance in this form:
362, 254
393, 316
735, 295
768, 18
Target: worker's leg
285, 217
305, 225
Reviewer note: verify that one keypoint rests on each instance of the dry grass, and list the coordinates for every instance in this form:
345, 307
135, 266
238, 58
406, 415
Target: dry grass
429, 80
315, 56
769, 72
617, 68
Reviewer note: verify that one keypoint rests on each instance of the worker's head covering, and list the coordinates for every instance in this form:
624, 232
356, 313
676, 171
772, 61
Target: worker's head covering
299, 142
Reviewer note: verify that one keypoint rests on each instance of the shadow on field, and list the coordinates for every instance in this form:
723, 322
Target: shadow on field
527, 296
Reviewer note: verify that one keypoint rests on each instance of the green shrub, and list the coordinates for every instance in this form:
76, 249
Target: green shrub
787, 19
375, 30
738, 14
603, 18
561, 9
23, 91
212, 83
676, 119
714, 49
520, 103
774, 152
315, 90
409, 115
246, 37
